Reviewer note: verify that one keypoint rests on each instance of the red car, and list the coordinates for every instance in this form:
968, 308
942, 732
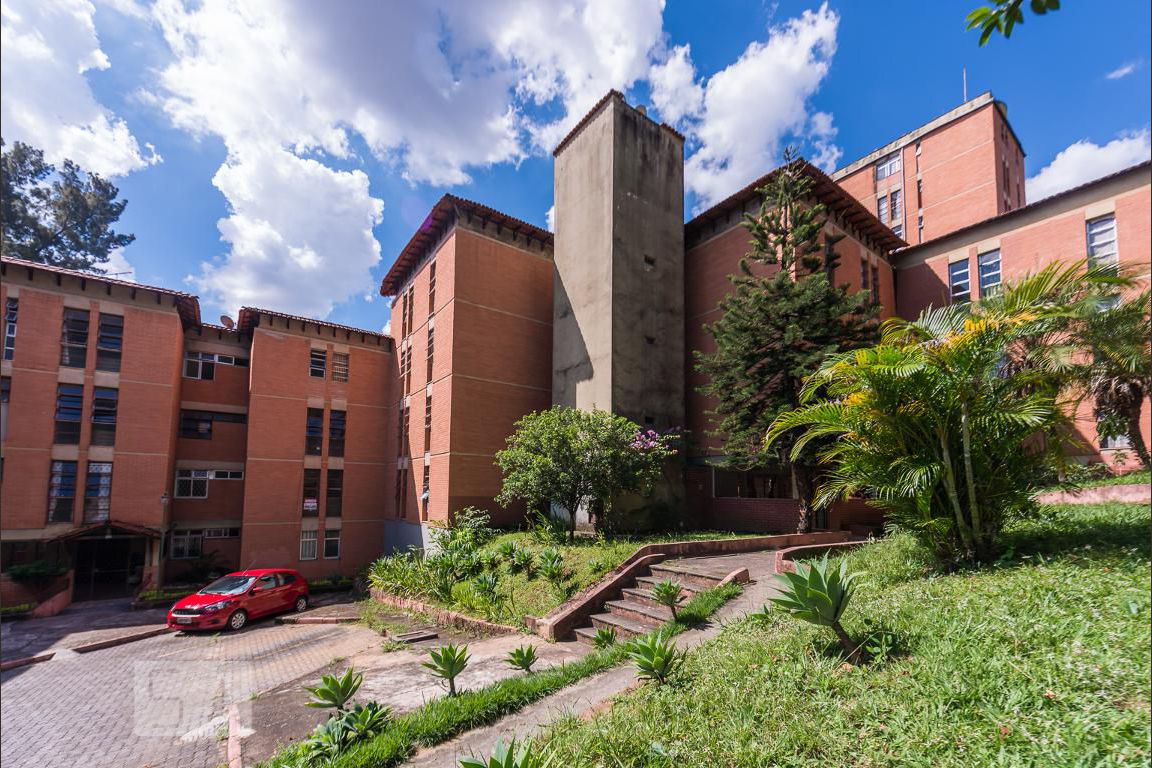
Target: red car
230, 601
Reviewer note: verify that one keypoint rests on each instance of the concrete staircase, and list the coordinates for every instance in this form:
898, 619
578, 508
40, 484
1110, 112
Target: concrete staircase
636, 612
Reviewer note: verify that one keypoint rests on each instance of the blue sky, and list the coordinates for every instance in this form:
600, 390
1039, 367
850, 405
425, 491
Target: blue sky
280, 154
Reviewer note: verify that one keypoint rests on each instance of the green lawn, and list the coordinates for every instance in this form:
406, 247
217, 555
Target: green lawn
586, 561
1042, 660
1139, 477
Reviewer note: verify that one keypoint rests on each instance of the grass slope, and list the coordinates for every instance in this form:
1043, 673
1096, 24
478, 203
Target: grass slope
1042, 660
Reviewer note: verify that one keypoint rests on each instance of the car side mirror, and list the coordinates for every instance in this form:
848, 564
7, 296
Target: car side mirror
256, 590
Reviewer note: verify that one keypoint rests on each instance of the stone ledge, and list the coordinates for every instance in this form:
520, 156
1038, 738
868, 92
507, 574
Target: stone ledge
1135, 493
25, 661
442, 616
785, 558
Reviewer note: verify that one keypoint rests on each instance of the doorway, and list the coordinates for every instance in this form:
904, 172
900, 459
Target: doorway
108, 567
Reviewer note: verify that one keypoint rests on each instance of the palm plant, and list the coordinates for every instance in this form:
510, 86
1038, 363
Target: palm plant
819, 593
605, 637
335, 692
655, 657
669, 594
448, 662
510, 755
523, 657
953, 421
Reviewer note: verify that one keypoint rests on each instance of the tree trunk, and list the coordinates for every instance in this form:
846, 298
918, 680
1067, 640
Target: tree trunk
1136, 437
849, 645
802, 476
953, 496
979, 535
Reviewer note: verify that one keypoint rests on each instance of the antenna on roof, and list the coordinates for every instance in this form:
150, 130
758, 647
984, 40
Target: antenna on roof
227, 322
965, 70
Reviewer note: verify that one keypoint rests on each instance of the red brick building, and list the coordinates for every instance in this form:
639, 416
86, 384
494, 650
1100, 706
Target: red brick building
141, 445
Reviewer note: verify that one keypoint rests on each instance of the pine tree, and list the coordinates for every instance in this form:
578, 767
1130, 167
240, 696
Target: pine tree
784, 315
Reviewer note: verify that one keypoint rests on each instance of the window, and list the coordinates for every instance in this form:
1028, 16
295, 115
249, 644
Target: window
431, 287
307, 545
426, 487
401, 491
888, 166
335, 493
61, 491
200, 365
756, 484
863, 274
314, 432
11, 309
988, 271
5, 394
1102, 242
411, 307
197, 425
192, 483
402, 433
69, 406
317, 363
1109, 443
104, 403
882, 209
428, 423
186, 545
98, 492
339, 366
920, 228
875, 285
109, 342
897, 206
311, 493
919, 193
431, 348
221, 533
898, 230
331, 544
337, 422
74, 338
960, 281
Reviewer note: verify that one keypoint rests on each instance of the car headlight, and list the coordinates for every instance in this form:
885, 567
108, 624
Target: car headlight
217, 606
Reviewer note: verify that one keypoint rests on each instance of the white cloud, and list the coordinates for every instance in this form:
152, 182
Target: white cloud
118, 266
1123, 70
675, 93
1084, 161
46, 49
550, 218
753, 105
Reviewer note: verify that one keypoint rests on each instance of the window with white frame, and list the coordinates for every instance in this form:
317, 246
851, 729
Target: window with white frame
331, 544
897, 205
988, 270
202, 365
317, 363
193, 483
308, 545
186, 544
888, 166
960, 281
221, 533
1102, 242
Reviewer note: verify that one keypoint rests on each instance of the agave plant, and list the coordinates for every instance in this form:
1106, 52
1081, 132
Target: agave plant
551, 566
448, 662
487, 585
506, 549
366, 720
523, 657
523, 561
605, 637
819, 593
510, 755
655, 657
669, 594
335, 692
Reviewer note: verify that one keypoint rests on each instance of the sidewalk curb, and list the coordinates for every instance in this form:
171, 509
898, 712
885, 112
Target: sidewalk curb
235, 753
317, 620
122, 640
25, 661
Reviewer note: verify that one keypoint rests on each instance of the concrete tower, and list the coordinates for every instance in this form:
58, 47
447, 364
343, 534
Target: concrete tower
618, 306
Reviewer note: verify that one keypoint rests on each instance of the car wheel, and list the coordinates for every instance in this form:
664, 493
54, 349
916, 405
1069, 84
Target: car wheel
238, 620
301, 604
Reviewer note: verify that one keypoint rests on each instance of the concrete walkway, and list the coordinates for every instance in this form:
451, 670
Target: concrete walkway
594, 691
77, 625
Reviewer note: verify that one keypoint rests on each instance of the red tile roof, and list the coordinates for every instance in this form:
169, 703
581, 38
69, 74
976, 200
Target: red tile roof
250, 318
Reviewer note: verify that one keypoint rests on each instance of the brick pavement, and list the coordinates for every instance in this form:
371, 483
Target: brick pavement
156, 703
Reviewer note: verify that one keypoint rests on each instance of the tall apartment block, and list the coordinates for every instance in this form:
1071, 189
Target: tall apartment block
139, 440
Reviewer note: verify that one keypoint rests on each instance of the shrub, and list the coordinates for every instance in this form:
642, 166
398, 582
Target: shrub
655, 657
819, 593
546, 529
523, 657
448, 662
511, 755
523, 561
605, 637
341, 731
507, 549
335, 692
404, 574
669, 594
487, 586
37, 570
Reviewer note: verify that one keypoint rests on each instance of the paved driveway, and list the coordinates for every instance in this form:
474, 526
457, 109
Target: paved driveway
156, 702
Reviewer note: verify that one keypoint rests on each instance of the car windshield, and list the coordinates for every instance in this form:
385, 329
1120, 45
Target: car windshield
228, 585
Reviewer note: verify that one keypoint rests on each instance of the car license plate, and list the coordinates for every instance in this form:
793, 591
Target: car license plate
183, 619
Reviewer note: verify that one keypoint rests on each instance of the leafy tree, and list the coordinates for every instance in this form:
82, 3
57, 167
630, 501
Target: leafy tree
939, 425
577, 459
62, 217
1004, 15
784, 316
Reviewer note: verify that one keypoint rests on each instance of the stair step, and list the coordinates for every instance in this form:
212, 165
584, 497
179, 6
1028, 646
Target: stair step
625, 627
586, 635
642, 612
645, 584
685, 574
